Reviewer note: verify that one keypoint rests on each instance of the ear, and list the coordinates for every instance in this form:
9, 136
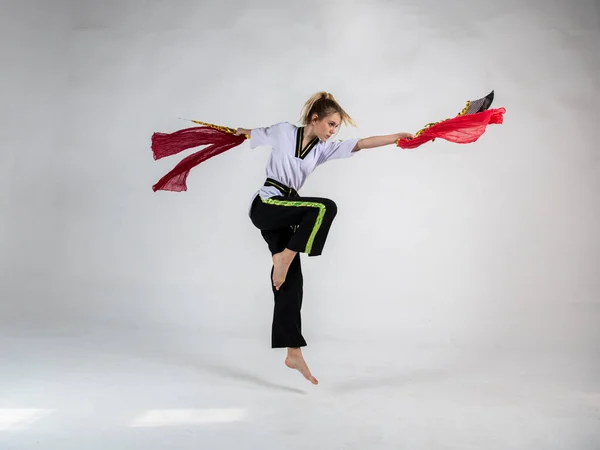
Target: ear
314, 118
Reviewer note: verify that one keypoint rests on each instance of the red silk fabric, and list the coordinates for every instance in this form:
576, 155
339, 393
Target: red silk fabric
461, 129
167, 144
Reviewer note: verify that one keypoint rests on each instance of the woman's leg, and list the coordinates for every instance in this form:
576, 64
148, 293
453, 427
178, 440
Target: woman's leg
286, 329
280, 224
287, 324
312, 218
312, 215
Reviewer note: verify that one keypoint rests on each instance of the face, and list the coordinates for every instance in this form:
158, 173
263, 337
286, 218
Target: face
328, 126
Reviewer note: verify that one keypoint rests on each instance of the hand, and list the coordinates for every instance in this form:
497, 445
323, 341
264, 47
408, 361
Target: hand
241, 131
407, 136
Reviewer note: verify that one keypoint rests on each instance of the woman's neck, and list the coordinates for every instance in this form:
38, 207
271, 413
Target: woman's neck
309, 133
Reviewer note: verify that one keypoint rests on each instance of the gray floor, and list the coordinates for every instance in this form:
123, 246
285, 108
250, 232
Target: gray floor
125, 390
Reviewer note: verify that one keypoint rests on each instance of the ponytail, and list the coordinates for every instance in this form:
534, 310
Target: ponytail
323, 104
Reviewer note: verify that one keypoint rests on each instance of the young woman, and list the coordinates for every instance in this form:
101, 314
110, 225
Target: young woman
291, 224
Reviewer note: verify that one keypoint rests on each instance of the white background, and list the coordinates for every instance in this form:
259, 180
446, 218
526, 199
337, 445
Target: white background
458, 296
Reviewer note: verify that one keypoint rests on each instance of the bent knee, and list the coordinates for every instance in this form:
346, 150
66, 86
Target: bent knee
331, 208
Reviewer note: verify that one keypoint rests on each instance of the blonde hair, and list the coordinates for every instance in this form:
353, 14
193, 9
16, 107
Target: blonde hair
323, 104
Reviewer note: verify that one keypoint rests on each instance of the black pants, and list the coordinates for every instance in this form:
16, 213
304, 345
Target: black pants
300, 224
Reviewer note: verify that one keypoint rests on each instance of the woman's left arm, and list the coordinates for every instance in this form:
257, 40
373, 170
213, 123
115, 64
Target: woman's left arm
380, 141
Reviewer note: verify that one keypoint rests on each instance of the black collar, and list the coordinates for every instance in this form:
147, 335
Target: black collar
302, 152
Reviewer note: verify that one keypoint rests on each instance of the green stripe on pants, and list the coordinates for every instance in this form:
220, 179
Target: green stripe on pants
318, 222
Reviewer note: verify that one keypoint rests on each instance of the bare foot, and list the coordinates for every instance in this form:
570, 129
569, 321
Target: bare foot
281, 264
295, 360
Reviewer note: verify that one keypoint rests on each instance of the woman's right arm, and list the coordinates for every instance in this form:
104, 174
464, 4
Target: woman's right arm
264, 135
241, 131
